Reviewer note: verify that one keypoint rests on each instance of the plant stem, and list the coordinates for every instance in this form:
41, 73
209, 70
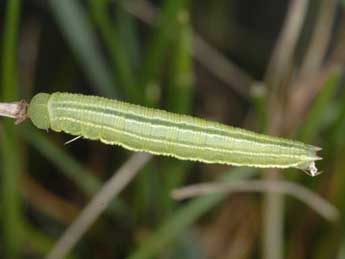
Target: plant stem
15, 110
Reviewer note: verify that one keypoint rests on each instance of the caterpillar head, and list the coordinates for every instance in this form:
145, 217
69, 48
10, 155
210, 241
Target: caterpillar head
38, 111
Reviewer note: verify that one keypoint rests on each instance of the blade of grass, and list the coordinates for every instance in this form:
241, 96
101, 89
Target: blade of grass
335, 150
337, 138
222, 68
73, 170
259, 102
11, 210
75, 26
183, 218
180, 86
146, 192
115, 45
128, 31
168, 21
10, 152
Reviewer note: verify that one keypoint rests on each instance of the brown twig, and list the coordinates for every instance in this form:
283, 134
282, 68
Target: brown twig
305, 91
98, 204
15, 110
280, 62
320, 40
313, 200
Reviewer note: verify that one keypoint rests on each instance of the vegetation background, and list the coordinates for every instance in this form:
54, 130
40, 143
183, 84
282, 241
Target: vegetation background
272, 66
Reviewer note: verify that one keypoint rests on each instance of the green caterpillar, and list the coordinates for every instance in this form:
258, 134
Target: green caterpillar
162, 133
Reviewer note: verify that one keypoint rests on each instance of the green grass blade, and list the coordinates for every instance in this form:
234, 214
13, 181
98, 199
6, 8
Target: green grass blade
115, 45
75, 26
183, 218
11, 208
168, 21
10, 152
181, 79
128, 32
9, 73
259, 102
336, 132
73, 170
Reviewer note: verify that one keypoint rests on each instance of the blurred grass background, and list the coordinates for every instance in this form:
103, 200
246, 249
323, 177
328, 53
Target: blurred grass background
269, 66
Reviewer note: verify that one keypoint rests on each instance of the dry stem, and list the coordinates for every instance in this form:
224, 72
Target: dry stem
313, 200
16, 110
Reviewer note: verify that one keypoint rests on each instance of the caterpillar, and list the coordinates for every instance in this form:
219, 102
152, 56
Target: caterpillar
160, 132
